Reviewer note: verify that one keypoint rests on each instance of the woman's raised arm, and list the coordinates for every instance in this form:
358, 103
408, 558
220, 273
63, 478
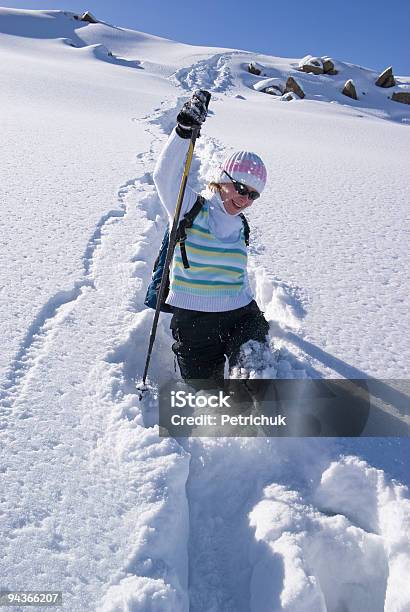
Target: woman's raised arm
168, 173
170, 165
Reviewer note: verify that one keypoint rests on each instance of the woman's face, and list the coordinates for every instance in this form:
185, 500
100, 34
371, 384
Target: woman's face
232, 201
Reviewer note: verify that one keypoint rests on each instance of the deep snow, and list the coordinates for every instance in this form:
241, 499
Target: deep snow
93, 501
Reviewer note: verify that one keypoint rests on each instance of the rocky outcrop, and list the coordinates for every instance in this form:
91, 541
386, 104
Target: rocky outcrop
349, 90
293, 86
317, 65
87, 16
401, 96
328, 65
255, 68
311, 64
273, 90
287, 97
386, 78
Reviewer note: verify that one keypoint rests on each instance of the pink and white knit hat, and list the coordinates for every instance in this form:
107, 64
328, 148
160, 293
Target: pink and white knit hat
245, 167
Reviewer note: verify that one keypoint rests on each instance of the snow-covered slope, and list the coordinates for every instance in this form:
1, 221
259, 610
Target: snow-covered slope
94, 503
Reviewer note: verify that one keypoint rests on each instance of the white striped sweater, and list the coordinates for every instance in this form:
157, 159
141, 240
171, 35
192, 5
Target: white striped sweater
216, 269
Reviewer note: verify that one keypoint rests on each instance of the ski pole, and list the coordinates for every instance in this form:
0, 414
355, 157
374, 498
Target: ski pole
171, 247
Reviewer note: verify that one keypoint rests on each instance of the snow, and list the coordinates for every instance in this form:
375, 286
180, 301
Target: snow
343, 534
94, 502
279, 83
312, 61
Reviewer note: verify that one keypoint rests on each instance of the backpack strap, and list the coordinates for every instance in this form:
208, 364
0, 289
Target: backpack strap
187, 221
246, 228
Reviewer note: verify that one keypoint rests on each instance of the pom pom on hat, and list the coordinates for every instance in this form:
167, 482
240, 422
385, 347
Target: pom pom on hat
245, 167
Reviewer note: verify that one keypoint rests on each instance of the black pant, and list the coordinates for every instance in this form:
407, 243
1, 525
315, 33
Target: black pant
204, 338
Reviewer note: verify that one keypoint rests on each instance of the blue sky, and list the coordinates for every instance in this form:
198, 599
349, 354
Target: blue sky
372, 33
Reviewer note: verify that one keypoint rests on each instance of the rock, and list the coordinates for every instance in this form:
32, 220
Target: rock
386, 78
293, 86
401, 96
273, 91
87, 16
350, 90
328, 65
312, 69
288, 97
311, 64
273, 82
255, 68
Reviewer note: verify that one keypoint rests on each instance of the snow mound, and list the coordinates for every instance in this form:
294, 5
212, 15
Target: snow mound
348, 551
141, 593
274, 81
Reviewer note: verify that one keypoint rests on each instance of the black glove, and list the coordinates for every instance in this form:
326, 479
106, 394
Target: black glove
193, 113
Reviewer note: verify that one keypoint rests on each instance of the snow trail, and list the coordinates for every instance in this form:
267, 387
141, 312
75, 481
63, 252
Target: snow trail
213, 74
32, 345
208, 153
96, 432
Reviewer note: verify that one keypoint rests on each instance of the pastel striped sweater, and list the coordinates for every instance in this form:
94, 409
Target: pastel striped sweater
217, 278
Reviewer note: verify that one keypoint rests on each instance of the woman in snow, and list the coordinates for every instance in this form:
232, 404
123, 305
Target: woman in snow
214, 313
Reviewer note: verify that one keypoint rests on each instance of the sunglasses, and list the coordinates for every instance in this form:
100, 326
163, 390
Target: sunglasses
242, 189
